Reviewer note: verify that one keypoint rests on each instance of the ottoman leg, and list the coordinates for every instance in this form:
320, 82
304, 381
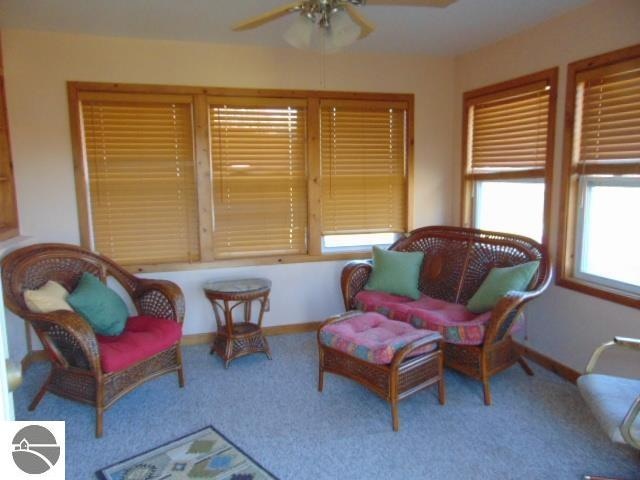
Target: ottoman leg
442, 392
321, 372
394, 415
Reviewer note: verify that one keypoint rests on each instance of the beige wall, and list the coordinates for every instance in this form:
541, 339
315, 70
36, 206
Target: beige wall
563, 324
38, 65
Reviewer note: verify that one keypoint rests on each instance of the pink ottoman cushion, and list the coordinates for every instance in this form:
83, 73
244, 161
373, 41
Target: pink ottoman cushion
372, 337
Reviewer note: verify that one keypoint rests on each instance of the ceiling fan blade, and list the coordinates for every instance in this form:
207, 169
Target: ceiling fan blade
266, 17
366, 27
413, 3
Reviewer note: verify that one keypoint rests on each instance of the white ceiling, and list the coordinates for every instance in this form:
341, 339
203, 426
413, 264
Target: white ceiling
461, 27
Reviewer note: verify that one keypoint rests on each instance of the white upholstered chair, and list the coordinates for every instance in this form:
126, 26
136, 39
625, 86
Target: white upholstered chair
615, 401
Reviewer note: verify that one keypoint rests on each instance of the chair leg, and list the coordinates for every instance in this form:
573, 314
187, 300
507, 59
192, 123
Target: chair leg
181, 367
487, 391
99, 409
320, 370
442, 392
99, 421
525, 366
36, 400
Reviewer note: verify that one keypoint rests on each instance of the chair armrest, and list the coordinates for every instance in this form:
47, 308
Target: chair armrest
63, 332
628, 422
354, 277
625, 342
401, 354
159, 298
505, 313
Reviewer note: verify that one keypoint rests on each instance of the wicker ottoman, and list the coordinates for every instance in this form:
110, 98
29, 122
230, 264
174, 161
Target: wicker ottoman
391, 358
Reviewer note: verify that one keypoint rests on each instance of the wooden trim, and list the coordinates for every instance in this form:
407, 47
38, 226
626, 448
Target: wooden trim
291, 329
569, 187
524, 83
9, 221
204, 177
200, 98
599, 291
33, 357
197, 339
548, 363
235, 92
410, 184
314, 179
79, 167
250, 261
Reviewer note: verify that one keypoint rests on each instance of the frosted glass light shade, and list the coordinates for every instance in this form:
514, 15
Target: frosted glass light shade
299, 34
343, 30
307, 35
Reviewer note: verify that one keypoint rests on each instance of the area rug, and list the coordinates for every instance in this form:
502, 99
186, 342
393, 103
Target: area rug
202, 454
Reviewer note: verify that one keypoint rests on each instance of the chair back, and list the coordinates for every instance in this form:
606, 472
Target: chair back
31, 267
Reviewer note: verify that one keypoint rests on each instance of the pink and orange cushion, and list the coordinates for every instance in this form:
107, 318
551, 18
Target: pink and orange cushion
372, 337
454, 322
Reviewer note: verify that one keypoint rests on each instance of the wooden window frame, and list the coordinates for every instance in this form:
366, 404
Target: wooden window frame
550, 76
206, 213
570, 188
9, 227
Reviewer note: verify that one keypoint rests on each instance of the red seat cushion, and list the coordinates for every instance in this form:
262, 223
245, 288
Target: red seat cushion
142, 338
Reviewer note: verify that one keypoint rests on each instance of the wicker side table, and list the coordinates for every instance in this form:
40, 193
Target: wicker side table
235, 339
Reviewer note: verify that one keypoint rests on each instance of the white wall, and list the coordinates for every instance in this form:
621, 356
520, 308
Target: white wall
564, 324
37, 66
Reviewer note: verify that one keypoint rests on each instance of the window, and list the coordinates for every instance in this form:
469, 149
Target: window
601, 178
140, 167
258, 155
508, 155
8, 207
364, 172
170, 176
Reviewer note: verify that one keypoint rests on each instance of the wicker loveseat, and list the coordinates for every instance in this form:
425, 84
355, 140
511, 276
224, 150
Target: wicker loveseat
87, 367
456, 262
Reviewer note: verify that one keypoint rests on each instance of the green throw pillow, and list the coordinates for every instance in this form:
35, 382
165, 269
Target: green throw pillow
395, 272
103, 308
499, 282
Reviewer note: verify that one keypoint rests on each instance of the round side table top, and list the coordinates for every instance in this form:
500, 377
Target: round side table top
240, 286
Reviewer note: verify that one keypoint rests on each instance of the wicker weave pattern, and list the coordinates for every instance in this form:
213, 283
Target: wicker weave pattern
457, 260
69, 340
404, 376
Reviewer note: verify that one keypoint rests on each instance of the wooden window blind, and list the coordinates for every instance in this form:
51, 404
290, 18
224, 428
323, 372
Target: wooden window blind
140, 165
508, 130
363, 155
607, 128
258, 150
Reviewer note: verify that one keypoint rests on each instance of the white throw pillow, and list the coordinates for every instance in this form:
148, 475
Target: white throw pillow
48, 298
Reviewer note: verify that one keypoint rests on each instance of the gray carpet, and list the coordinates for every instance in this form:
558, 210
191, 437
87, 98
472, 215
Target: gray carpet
538, 427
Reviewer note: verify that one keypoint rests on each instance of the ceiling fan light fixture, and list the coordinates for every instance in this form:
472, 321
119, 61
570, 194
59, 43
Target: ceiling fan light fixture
343, 31
300, 32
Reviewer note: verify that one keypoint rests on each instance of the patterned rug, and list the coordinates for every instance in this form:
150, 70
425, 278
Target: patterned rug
202, 454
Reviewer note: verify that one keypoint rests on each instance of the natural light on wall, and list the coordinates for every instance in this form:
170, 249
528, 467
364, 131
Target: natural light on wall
510, 206
609, 232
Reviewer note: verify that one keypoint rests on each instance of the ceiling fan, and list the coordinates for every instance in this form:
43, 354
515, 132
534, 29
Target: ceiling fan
336, 23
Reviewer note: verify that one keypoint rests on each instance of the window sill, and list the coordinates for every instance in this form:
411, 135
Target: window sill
247, 262
600, 291
7, 233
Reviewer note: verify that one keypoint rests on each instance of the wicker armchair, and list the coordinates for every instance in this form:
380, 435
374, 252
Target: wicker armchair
457, 260
70, 342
